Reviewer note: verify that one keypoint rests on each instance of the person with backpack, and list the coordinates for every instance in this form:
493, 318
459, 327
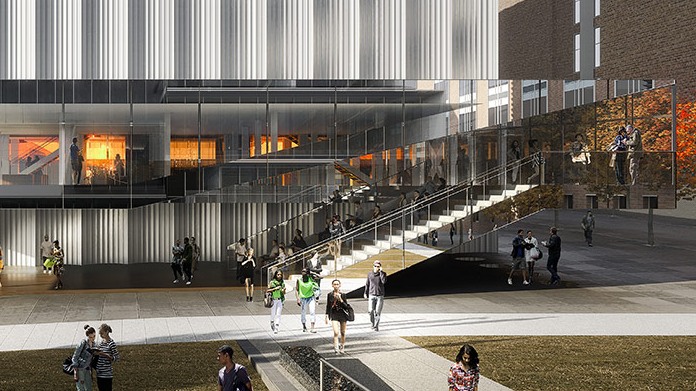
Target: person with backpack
231, 377
277, 290
518, 261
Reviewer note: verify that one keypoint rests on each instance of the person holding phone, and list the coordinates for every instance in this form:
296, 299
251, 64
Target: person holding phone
335, 303
108, 354
81, 359
374, 293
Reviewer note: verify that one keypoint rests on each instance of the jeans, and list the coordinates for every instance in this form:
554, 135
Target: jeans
276, 311
374, 307
308, 303
176, 268
619, 167
588, 236
84, 380
552, 267
187, 270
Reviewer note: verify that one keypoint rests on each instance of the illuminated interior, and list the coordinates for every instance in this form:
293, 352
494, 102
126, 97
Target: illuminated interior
101, 150
284, 142
184, 152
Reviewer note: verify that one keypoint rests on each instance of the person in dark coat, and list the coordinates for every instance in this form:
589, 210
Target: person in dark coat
554, 246
336, 302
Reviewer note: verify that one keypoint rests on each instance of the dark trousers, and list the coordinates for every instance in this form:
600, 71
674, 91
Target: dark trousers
176, 268
588, 236
552, 267
105, 383
619, 164
187, 270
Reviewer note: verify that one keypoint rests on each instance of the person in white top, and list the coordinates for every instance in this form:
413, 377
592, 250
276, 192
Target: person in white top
46, 252
531, 253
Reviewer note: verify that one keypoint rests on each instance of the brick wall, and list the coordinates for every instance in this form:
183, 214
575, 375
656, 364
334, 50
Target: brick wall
536, 39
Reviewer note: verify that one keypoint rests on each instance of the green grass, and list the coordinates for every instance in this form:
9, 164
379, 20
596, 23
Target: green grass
579, 363
180, 366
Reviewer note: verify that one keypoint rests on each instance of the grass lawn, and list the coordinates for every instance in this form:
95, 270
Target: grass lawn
579, 363
176, 366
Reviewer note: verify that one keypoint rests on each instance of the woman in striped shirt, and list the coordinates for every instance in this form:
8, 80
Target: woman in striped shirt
107, 355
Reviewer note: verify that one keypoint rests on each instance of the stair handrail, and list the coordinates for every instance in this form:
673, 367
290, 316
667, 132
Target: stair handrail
33, 151
399, 212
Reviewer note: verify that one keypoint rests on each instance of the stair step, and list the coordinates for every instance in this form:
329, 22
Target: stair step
372, 250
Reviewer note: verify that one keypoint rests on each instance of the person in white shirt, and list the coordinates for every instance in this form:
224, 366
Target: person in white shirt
531, 250
46, 252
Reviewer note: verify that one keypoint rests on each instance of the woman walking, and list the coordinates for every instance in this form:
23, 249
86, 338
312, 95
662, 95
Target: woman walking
336, 302
247, 271
81, 359
58, 265
464, 373
277, 289
304, 292
107, 355
531, 254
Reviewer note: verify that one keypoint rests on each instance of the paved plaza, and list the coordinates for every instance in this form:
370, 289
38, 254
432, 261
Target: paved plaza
618, 287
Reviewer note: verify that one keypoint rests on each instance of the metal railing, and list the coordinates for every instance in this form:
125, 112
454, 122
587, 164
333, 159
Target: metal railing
322, 384
396, 219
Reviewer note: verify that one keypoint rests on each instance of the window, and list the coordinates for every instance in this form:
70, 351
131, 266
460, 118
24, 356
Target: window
577, 11
467, 114
534, 97
577, 92
625, 87
577, 52
497, 102
596, 47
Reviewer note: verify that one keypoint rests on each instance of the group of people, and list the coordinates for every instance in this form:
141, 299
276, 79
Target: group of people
53, 260
90, 356
626, 146
526, 251
185, 259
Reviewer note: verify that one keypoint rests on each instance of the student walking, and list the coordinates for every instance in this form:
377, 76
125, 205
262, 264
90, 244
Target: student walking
588, 224
46, 252
452, 232
554, 246
464, 373
240, 251
187, 261
81, 359
58, 266
196, 254
304, 293
531, 253
518, 260
177, 257
277, 289
108, 354
336, 302
374, 293
247, 272
231, 377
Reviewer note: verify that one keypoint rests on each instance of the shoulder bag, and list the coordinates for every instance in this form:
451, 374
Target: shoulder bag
348, 311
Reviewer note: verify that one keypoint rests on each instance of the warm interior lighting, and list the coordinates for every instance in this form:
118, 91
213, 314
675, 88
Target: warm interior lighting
184, 152
284, 142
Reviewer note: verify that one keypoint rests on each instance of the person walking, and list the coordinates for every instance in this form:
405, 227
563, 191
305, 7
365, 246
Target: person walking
464, 373
247, 271
108, 354
335, 304
231, 377
531, 254
240, 251
588, 224
554, 246
177, 257
187, 261
81, 360
57, 266
634, 145
514, 154
434, 238
196, 255
304, 293
518, 260
46, 252
452, 232
277, 289
374, 293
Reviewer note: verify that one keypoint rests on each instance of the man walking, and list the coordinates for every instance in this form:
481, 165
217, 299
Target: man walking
46, 252
518, 259
634, 144
588, 227
240, 251
231, 377
554, 246
188, 261
374, 293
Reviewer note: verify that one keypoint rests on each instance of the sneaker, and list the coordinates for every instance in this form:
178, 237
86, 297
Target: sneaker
176, 281
272, 326
45, 271
312, 331
509, 281
304, 328
275, 331
341, 349
376, 328
336, 349
590, 244
525, 282
188, 282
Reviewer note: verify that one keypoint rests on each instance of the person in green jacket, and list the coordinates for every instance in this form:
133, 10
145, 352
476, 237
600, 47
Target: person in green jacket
277, 289
304, 292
